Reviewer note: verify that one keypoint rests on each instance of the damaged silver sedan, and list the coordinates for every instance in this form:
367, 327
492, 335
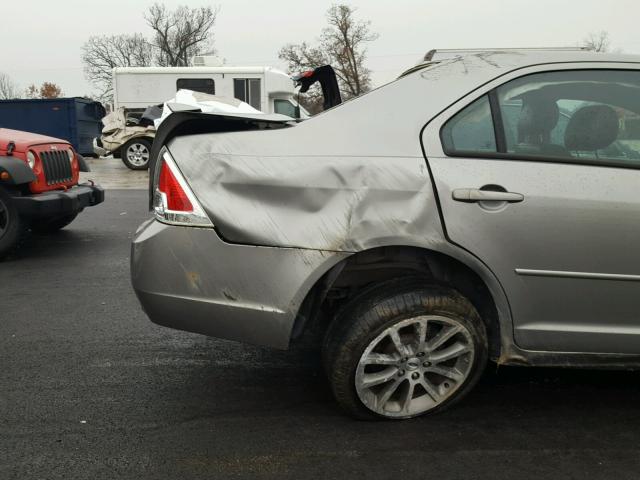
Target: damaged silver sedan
479, 208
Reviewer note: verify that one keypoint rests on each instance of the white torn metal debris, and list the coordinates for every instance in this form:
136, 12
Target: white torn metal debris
123, 124
119, 127
205, 103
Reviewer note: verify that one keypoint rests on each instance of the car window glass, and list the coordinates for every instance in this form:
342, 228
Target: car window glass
471, 130
284, 107
247, 90
586, 115
203, 85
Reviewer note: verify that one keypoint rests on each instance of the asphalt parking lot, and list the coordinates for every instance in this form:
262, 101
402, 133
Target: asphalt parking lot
90, 389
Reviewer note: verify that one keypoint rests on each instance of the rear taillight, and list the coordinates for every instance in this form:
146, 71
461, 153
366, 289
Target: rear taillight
173, 200
168, 184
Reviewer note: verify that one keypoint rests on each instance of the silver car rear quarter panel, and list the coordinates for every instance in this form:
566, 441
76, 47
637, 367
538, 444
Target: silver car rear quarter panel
188, 278
324, 203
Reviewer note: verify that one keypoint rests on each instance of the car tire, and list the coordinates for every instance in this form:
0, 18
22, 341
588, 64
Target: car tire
45, 226
12, 226
360, 348
136, 153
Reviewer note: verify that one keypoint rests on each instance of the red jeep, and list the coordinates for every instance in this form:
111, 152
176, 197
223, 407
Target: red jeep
39, 188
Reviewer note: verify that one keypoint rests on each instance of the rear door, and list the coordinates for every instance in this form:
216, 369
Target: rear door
540, 179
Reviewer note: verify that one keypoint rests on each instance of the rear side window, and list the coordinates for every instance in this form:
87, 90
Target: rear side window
470, 130
582, 115
203, 85
572, 116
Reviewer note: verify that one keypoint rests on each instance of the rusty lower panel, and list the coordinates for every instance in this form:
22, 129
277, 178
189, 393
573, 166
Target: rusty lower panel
236, 292
514, 356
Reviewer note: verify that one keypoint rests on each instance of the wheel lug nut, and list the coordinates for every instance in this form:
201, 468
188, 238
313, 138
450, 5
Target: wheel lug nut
415, 375
446, 385
401, 373
426, 364
420, 354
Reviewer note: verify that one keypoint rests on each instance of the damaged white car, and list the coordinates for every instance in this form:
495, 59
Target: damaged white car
128, 133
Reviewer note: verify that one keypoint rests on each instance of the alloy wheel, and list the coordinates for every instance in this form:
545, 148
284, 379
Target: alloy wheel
138, 154
414, 365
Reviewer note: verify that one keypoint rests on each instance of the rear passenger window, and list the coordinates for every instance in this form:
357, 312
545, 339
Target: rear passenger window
582, 115
470, 130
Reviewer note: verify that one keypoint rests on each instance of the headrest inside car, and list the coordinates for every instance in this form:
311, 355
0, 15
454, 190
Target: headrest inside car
537, 118
591, 128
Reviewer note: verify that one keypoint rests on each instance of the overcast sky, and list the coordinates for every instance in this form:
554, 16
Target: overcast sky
40, 40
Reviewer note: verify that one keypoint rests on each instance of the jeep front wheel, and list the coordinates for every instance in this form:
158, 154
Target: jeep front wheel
11, 225
402, 350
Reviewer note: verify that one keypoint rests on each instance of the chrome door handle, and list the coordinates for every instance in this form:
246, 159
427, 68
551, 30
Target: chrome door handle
472, 195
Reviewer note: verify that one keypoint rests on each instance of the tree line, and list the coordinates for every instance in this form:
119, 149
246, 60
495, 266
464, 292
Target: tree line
178, 35
9, 89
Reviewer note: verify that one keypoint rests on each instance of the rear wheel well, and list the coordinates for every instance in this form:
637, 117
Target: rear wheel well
377, 265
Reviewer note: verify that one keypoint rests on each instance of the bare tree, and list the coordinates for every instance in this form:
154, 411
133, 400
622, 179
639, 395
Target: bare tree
597, 41
8, 89
32, 91
100, 54
342, 45
344, 40
303, 57
182, 33
177, 36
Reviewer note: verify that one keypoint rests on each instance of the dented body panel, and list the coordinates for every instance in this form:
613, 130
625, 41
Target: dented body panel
325, 203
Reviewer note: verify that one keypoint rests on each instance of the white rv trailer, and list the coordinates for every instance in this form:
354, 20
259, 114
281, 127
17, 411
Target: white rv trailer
264, 88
